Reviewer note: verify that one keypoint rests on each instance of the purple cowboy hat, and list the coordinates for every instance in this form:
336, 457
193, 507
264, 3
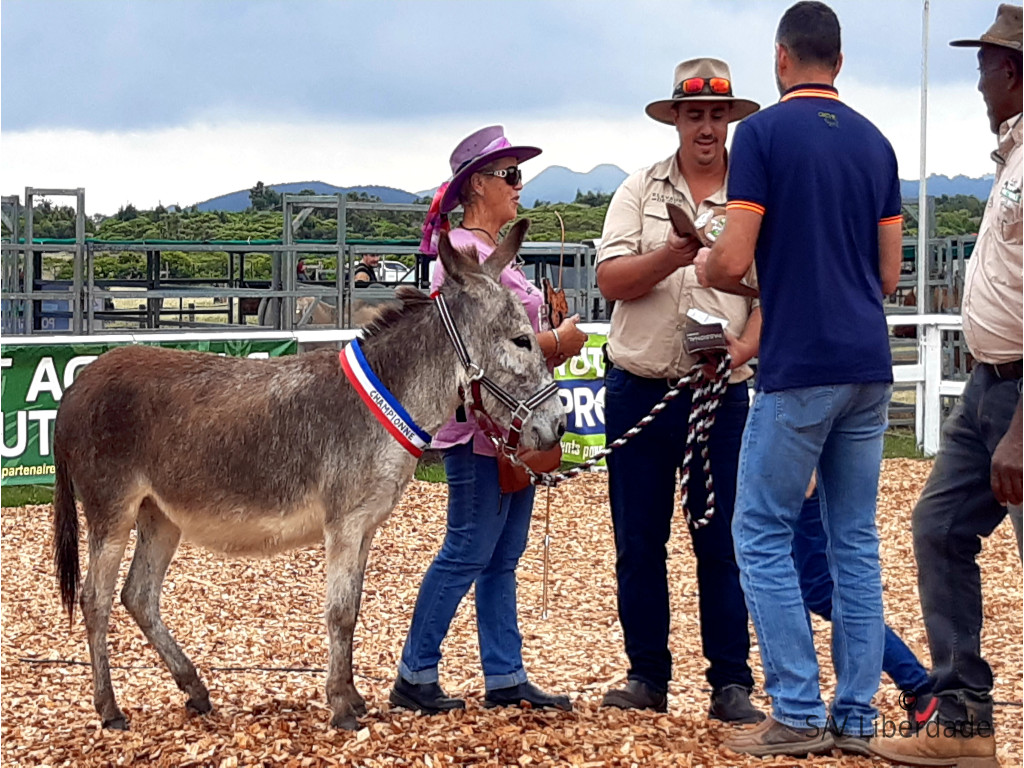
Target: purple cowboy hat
473, 153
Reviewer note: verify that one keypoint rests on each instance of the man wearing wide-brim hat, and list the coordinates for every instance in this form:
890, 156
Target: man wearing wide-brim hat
977, 473
646, 269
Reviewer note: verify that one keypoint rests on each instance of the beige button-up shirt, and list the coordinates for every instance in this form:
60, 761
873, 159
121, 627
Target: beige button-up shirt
646, 336
993, 304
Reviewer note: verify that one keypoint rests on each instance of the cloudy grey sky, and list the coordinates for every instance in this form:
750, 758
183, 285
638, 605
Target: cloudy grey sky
175, 102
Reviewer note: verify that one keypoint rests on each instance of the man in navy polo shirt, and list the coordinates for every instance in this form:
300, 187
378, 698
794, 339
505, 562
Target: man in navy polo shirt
814, 200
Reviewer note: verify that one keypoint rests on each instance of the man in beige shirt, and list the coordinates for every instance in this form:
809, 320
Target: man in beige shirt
646, 268
978, 470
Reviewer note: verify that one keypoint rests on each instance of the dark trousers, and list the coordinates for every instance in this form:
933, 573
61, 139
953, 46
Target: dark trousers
956, 509
810, 545
642, 488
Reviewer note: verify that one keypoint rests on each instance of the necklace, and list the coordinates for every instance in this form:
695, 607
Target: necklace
478, 229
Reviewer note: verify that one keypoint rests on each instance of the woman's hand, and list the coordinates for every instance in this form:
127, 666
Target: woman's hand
570, 340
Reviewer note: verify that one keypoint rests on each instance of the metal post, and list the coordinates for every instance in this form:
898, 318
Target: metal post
931, 354
922, 192
30, 278
344, 310
286, 315
79, 295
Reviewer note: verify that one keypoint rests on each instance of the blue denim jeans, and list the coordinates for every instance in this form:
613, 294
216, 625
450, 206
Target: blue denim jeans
837, 429
956, 509
642, 486
810, 555
486, 536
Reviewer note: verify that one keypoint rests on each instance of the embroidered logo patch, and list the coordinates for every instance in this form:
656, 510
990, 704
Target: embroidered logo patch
1011, 191
830, 119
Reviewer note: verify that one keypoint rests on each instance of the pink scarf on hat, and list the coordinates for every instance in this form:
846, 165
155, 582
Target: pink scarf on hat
435, 223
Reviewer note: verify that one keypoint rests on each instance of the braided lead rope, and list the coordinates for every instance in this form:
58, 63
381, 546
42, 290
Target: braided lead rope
706, 397
702, 415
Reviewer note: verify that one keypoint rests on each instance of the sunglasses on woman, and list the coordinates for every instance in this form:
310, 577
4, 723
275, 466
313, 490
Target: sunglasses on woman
512, 175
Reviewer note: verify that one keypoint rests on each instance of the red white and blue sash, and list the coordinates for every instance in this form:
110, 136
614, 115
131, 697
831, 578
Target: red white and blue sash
381, 402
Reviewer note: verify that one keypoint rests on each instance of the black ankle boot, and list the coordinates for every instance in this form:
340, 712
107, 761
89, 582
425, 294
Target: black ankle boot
731, 704
515, 695
427, 698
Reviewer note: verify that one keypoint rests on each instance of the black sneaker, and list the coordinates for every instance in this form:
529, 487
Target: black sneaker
636, 695
517, 695
731, 704
427, 698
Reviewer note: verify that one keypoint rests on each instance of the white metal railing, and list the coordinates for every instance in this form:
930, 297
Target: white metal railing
926, 373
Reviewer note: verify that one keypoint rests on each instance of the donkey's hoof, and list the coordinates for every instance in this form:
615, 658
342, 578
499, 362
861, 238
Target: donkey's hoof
359, 707
199, 706
345, 722
119, 723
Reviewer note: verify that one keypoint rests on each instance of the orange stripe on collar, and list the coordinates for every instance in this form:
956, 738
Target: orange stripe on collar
811, 93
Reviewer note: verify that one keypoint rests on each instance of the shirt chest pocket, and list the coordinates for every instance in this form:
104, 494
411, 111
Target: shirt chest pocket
1009, 218
656, 227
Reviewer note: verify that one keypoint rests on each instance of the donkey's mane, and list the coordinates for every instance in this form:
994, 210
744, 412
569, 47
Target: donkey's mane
411, 299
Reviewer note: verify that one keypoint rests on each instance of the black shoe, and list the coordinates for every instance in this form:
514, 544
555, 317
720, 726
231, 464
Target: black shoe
636, 695
527, 692
731, 704
428, 698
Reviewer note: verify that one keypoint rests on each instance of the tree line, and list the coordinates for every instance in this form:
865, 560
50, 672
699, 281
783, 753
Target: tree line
263, 220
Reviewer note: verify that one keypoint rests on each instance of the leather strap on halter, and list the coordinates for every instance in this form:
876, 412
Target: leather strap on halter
521, 409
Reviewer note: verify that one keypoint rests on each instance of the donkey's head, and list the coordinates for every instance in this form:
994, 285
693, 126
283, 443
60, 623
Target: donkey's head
496, 330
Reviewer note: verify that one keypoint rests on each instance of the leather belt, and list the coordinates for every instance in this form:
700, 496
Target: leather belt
1011, 370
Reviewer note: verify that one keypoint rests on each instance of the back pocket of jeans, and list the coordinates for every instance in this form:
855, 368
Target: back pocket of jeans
803, 409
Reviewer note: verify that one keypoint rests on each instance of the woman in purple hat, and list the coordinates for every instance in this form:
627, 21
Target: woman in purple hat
487, 529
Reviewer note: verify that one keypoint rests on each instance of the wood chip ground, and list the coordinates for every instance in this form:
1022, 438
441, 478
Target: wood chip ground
255, 630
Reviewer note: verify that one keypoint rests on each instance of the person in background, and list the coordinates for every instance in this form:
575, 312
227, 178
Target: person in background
810, 555
978, 469
645, 268
366, 269
487, 529
821, 216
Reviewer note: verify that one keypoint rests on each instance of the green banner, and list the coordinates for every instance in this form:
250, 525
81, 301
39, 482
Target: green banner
33, 379
581, 388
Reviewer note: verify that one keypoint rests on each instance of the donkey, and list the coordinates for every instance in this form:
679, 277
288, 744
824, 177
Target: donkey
273, 457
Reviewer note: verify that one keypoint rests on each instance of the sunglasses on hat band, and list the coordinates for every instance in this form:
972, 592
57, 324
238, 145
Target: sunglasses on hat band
694, 85
511, 175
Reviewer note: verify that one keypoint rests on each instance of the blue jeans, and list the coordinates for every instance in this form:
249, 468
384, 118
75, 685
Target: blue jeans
486, 536
810, 555
838, 429
956, 509
642, 488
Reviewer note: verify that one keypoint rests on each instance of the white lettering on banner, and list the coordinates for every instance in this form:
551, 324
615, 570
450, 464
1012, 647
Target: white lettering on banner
44, 417
11, 452
71, 369
44, 379
589, 359
583, 402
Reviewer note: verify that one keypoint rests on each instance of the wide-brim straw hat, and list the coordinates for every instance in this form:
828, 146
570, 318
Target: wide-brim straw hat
473, 153
707, 69
1004, 32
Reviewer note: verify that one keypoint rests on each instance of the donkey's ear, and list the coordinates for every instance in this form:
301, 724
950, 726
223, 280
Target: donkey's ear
451, 259
502, 256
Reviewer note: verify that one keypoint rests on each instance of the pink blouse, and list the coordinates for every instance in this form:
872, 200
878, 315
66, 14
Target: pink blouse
512, 277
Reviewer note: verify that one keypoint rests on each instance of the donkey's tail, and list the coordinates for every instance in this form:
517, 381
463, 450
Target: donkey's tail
65, 538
